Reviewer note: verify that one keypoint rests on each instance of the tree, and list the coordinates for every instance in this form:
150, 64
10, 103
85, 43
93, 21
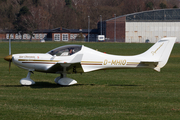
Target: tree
162, 5
19, 24
80, 37
68, 3
175, 6
21, 2
28, 15
150, 5
38, 18
36, 2
24, 11
132, 6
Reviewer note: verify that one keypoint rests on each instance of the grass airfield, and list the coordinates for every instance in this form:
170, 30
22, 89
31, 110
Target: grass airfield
111, 94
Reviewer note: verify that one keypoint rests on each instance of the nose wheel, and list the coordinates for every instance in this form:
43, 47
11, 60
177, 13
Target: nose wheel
27, 80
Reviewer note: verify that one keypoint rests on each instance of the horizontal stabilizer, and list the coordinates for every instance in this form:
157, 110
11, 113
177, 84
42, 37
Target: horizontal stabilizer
149, 61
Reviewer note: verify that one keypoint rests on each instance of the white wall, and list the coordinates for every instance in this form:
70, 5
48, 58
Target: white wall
141, 31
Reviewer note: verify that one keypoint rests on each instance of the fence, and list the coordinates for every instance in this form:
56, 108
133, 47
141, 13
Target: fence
73, 40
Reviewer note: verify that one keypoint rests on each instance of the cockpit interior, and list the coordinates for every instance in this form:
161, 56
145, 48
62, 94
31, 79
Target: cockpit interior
66, 50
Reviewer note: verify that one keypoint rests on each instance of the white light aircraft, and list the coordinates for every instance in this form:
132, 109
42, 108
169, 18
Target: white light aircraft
78, 59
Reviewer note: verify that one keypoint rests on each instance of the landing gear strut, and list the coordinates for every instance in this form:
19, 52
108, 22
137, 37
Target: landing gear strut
27, 80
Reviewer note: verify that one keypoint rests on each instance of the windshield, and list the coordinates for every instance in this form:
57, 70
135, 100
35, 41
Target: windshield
65, 50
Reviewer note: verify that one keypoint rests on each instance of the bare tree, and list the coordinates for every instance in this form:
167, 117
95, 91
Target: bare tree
131, 6
73, 14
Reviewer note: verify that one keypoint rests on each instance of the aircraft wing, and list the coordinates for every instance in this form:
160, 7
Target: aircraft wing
72, 66
55, 68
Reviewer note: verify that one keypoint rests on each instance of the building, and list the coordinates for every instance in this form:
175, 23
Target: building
146, 26
57, 34
143, 26
62, 34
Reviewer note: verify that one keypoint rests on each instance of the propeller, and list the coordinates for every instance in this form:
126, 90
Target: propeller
9, 57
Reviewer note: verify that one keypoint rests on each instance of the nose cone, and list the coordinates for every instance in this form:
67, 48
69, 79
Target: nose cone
8, 58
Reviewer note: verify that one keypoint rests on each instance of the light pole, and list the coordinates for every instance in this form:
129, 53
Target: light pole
115, 28
9, 43
88, 26
101, 23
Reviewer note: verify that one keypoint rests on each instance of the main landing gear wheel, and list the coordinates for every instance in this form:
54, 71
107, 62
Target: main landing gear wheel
27, 80
63, 80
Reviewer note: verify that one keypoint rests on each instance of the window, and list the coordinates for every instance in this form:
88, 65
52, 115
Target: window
45, 36
37, 36
33, 37
28, 36
16, 36
75, 35
65, 50
11, 36
20, 36
71, 36
7, 36
64, 37
56, 37
24, 36
40, 36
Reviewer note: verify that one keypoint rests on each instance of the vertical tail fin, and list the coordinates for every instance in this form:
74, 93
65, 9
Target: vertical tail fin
159, 53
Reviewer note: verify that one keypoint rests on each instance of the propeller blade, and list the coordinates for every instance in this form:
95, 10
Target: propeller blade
9, 66
9, 57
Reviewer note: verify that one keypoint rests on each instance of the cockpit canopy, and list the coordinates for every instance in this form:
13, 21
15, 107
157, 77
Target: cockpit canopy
65, 50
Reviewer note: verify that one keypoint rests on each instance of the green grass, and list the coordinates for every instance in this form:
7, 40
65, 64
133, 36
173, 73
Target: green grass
112, 94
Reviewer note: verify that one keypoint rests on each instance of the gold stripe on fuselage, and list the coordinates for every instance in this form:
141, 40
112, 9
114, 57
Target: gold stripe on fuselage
38, 60
91, 62
134, 63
